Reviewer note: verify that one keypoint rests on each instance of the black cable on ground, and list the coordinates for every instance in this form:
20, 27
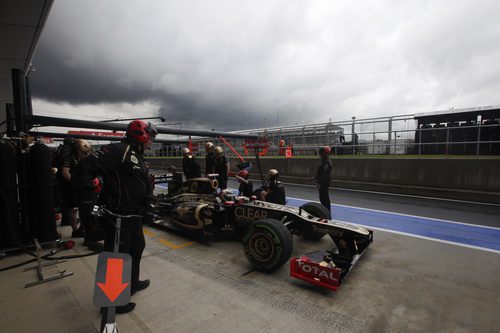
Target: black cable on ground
17, 265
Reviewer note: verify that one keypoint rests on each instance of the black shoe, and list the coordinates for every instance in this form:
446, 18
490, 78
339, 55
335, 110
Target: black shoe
78, 233
124, 308
94, 246
140, 285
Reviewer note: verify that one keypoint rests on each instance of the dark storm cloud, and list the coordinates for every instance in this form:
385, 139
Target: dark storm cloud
244, 64
55, 81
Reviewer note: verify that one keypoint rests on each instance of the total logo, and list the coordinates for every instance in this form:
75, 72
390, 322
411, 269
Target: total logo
319, 271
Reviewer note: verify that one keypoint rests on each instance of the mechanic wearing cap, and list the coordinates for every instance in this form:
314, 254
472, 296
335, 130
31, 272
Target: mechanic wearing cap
274, 192
127, 190
209, 158
221, 167
190, 168
246, 186
323, 176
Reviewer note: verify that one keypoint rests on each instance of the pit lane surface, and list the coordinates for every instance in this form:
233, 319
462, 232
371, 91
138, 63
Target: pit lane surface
403, 283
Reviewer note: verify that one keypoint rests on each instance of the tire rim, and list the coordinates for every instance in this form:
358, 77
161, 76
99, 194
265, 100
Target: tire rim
261, 247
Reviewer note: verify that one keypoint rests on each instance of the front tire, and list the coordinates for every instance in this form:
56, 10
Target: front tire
316, 210
267, 244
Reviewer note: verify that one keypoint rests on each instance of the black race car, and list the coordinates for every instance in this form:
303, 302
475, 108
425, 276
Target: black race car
265, 229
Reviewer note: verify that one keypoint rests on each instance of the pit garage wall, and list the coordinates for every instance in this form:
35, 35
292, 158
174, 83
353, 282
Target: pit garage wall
462, 179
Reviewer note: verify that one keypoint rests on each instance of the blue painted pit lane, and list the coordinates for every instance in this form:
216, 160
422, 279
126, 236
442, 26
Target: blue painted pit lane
486, 238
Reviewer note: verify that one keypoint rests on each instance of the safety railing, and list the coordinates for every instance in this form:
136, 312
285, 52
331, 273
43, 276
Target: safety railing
483, 139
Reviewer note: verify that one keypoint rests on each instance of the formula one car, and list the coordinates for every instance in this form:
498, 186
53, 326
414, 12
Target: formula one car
265, 230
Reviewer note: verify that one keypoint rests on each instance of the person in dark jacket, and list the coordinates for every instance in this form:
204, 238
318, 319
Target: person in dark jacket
246, 186
127, 190
221, 167
176, 183
209, 158
190, 168
63, 161
275, 191
68, 156
323, 176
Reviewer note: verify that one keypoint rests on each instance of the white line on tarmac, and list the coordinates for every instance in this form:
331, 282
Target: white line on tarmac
401, 195
426, 238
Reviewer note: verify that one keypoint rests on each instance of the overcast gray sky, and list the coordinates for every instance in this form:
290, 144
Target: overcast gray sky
246, 64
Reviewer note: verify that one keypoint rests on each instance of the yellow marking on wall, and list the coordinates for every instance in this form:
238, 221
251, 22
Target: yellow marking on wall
172, 245
149, 233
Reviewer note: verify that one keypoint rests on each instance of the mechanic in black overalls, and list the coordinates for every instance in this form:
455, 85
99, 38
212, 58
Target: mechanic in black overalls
176, 183
246, 186
127, 190
275, 191
68, 157
323, 176
221, 167
209, 158
64, 158
190, 168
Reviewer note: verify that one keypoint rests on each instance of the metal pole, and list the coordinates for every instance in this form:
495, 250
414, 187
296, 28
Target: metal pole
63, 122
19, 94
93, 137
478, 139
447, 140
419, 141
109, 313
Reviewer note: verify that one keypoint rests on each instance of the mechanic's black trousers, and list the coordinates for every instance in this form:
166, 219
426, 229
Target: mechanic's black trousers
324, 196
222, 183
131, 241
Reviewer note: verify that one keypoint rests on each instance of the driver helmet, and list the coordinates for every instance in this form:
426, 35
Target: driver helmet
272, 174
185, 151
218, 151
324, 151
141, 132
209, 146
243, 174
83, 147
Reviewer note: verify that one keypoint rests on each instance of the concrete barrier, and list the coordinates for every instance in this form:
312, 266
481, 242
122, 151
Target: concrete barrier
463, 179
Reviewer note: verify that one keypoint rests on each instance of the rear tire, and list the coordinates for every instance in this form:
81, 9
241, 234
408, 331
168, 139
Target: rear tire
267, 244
316, 210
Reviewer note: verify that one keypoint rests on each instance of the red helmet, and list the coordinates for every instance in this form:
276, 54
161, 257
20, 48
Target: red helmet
243, 174
325, 151
141, 132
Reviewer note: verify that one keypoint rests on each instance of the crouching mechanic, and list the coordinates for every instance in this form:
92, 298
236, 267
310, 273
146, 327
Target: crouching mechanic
274, 192
127, 190
246, 186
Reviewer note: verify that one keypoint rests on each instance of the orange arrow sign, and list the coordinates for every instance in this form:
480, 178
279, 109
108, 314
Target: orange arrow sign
113, 286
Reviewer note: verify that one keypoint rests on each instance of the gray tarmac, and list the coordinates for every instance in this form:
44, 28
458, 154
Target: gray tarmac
402, 284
